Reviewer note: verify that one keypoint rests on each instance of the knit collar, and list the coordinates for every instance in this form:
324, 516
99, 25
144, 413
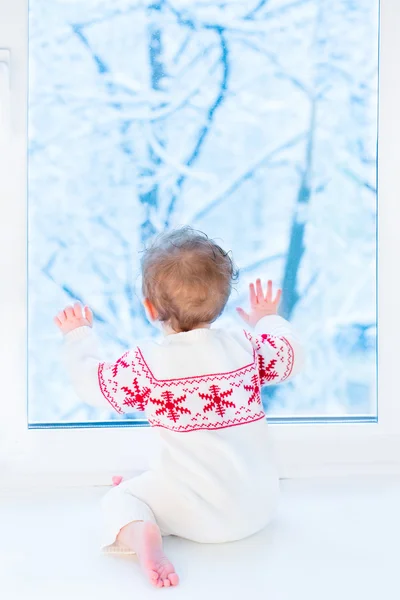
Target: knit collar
184, 337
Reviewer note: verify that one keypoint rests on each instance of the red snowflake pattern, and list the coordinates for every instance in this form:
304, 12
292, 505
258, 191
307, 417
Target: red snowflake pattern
170, 406
136, 398
254, 388
217, 400
267, 372
120, 363
265, 337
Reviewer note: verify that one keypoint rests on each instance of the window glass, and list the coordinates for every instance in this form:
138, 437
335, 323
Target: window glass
255, 122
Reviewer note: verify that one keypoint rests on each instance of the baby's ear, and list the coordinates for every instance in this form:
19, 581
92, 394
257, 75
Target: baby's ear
151, 312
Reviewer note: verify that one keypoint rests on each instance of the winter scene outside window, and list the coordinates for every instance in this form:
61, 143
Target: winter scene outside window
252, 120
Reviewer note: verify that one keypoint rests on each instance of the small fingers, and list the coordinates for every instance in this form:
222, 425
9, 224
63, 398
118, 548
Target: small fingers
57, 322
253, 295
62, 316
268, 296
89, 315
278, 297
259, 290
78, 310
69, 312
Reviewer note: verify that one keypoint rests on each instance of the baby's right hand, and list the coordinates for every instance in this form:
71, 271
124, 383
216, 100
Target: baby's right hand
73, 317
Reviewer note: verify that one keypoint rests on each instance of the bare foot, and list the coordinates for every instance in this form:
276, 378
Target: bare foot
116, 480
148, 547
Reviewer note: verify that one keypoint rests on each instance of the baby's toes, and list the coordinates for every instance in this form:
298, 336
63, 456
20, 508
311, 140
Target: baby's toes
154, 578
173, 578
166, 582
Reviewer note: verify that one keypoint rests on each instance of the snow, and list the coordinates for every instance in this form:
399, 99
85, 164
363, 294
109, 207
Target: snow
253, 121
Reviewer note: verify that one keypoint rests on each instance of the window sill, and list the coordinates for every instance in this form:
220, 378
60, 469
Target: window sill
92, 456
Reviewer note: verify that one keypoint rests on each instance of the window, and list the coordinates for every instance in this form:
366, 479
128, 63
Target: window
254, 122
91, 454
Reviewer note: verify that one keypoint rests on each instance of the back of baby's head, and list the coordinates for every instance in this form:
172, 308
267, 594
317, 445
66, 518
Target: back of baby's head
187, 277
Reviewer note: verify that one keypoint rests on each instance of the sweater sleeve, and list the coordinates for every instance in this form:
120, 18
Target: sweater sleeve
280, 355
118, 385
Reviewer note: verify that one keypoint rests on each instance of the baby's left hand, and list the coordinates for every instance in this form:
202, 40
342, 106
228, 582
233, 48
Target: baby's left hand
73, 317
261, 304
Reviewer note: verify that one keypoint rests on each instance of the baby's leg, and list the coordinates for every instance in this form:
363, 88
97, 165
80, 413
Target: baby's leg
130, 524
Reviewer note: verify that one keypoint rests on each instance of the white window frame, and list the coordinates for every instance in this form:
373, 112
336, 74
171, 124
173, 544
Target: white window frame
91, 456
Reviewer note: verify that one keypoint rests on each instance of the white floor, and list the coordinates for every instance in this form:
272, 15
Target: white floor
336, 539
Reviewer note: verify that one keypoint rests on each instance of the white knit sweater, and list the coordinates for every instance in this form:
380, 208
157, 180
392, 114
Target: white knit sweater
202, 391
205, 379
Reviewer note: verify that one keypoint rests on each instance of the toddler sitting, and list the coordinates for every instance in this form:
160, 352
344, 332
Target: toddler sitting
200, 387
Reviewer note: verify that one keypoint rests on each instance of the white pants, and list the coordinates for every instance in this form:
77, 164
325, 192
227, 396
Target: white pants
181, 511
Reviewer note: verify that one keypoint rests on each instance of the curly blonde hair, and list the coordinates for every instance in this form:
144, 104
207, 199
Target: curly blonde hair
187, 277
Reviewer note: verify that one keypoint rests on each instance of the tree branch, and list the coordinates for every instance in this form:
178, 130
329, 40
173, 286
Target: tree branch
223, 194
261, 263
206, 128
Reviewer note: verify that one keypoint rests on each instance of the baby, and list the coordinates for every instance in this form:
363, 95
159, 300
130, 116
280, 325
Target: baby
200, 387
